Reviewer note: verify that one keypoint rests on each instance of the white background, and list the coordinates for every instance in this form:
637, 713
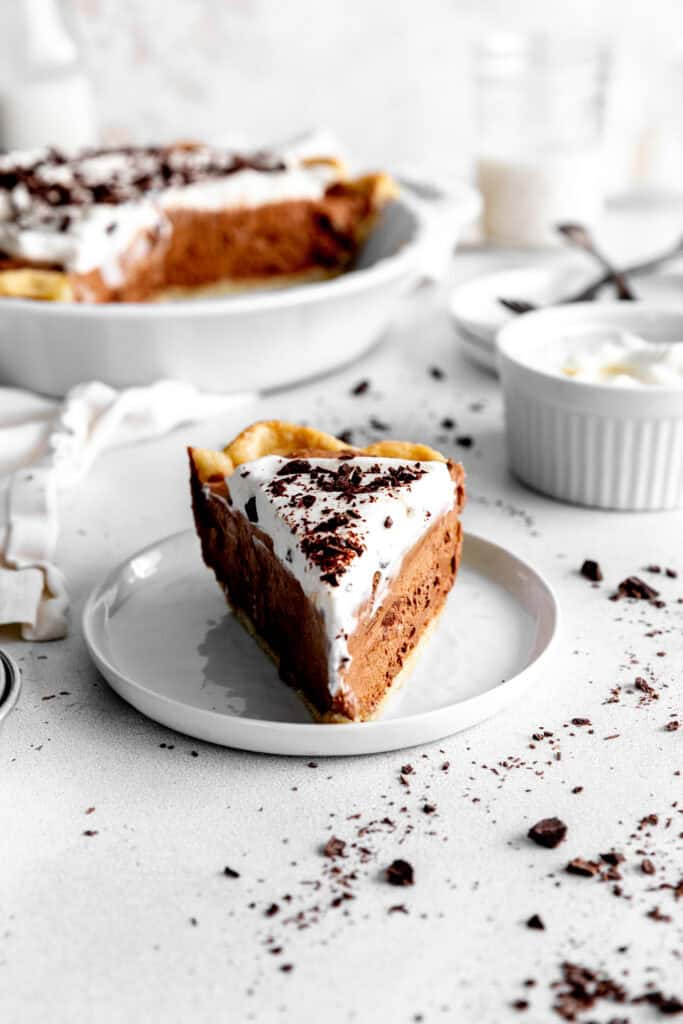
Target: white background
391, 77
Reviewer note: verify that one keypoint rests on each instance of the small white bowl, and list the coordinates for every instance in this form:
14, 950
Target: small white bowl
592, 444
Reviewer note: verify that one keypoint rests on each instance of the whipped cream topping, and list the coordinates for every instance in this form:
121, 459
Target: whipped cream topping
598, 355
336, 522
82, 211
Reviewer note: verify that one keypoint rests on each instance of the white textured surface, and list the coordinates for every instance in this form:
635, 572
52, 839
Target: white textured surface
98, 928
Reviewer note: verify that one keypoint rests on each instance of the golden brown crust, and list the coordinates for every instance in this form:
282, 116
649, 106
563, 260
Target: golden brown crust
36, 283
276, 437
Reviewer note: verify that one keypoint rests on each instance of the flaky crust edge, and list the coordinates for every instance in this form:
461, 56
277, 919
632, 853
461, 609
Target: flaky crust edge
277, 437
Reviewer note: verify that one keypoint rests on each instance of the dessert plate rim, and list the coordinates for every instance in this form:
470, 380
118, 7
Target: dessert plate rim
311, 738
10, 685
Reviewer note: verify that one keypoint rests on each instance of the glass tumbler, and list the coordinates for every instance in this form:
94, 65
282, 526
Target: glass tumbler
539, 117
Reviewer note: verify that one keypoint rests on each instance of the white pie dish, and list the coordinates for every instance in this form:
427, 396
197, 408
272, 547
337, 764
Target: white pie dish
592, 444
240, 342
160, 632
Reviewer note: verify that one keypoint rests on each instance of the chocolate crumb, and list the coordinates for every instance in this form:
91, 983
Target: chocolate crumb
592, 571
90, 832
613, 857
388, 523
520, 1005
272, 910
230, 873
635, 588
672, 726
535, 922
361, 387
577, 789
334, 847
647, 867
581, 721
548, 832
582, 867
465, 441
447, 423
668, 1006
656, 915
400, 872
429, 808
436, 373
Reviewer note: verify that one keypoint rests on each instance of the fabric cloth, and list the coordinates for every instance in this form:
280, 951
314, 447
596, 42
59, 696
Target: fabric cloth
46, 447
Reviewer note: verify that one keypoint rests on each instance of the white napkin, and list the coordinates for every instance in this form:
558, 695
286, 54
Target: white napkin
45, 448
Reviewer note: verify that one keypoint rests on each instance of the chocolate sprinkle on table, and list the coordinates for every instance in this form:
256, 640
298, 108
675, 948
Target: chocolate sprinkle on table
548, 832
584, 868
635, 588
592, 571
334, 847
400, 872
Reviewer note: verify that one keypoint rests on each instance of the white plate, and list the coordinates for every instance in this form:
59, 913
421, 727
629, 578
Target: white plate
244, 342
479, 316
159, 631
10, 685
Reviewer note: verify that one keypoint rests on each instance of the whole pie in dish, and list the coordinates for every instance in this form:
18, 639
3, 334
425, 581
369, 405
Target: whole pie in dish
338, 560
142, 223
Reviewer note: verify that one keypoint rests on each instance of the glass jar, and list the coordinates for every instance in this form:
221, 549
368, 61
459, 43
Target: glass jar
540, 113
48, 99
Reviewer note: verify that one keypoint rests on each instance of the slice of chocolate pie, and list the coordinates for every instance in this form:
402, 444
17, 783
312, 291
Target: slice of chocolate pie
338, 560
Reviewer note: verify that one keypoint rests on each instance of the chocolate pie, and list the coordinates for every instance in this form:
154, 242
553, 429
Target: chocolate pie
141, 223
337, 560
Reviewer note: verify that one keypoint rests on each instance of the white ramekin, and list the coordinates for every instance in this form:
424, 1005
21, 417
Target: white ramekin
592, 444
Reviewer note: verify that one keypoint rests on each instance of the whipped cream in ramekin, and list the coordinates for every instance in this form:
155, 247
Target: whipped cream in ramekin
608, 433
602, 355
